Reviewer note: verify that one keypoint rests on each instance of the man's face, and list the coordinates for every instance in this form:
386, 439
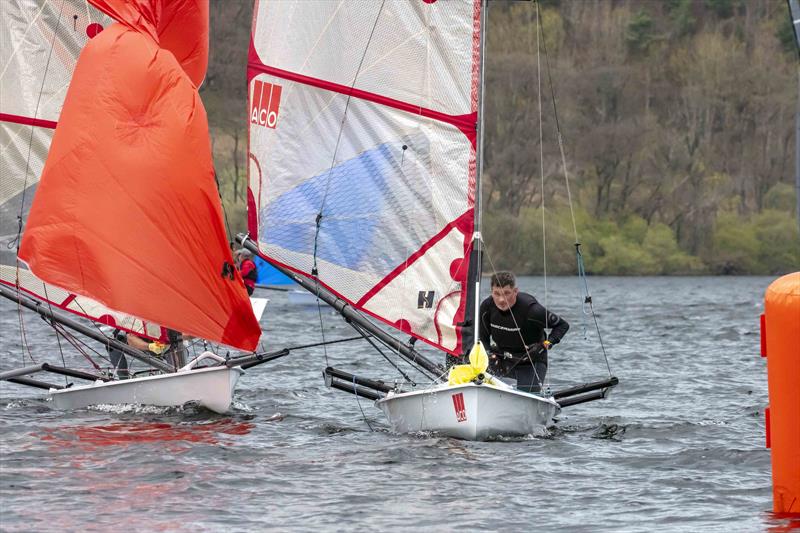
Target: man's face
504, 297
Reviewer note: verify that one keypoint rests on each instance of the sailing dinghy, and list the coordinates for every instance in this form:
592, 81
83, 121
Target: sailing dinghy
364, 187
125, 226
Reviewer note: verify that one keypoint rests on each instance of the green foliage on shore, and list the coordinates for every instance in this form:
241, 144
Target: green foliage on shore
764, 243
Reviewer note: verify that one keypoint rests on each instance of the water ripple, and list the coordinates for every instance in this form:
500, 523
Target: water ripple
679, 446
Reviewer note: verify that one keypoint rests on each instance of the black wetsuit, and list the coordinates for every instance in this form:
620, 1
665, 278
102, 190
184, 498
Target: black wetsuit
519, 331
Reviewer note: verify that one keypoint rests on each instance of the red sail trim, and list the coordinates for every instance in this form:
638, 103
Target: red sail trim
352, 303
412, 259
436, 321
103, 319
252, 208
465, 123
28, 121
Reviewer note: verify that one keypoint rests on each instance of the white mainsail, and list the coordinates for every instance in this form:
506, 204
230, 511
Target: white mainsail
363, 153
39, 46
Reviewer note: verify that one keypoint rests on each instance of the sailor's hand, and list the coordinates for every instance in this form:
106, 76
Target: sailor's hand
156, 347
547, 344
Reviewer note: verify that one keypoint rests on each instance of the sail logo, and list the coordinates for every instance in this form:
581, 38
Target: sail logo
461, 409
265, 101
425, 300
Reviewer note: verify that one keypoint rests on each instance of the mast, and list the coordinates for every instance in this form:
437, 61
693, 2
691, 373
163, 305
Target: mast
477, 240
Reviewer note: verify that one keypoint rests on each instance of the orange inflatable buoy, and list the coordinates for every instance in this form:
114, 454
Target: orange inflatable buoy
780, 344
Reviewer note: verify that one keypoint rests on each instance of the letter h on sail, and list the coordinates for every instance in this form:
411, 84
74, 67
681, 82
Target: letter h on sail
425, 299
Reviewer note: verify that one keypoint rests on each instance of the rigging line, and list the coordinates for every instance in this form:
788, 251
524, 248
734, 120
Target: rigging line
541, 158
315, 269
74, 341
412, 364
339, 138
16, 241
52, 323
324, 343
35, 115
83, 310
579, 255
369, 340
355, 393
23, 336
582, 284
558, 125
75, 344
335, 341
222, 203
602, 346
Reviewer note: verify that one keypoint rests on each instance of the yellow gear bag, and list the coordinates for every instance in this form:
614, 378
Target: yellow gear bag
478, 363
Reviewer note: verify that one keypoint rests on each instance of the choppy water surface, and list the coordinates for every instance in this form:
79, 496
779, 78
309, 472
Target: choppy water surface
678, 447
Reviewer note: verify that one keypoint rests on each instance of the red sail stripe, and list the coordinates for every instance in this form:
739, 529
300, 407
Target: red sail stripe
104, 319
411, 259
467, 124
28, 121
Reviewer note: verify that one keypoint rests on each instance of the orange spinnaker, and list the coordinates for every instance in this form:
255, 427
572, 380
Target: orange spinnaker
782, 310
180, 26
127, 211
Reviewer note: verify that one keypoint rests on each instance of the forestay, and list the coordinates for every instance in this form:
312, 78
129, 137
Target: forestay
363, 153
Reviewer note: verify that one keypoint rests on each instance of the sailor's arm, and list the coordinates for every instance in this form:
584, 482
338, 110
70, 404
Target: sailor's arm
547, 319
138, 343
145, 345
560, 329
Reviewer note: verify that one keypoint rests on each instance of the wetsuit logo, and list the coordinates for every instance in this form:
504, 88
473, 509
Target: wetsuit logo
461, 409
264, 103
425, 299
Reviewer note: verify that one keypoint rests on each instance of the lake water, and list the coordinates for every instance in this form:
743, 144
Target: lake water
679, 446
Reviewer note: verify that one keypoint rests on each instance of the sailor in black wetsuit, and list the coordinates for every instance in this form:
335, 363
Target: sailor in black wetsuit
515, 323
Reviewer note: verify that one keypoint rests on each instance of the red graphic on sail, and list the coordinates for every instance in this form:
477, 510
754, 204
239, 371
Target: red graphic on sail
266, 100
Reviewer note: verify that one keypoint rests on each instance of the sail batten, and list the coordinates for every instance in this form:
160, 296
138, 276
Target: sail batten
363, 153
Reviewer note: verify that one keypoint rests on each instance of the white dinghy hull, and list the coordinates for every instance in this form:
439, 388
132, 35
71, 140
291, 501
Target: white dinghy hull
469, 411
210, 387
